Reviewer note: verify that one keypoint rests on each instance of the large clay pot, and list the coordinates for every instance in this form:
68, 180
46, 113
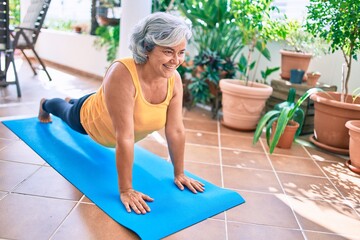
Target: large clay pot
293, 60
330, 117
354, 145
242, 105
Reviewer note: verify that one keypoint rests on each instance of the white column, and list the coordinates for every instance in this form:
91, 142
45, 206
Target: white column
132, 11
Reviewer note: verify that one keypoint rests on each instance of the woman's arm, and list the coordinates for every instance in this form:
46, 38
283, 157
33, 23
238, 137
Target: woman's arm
175, 135
119, 93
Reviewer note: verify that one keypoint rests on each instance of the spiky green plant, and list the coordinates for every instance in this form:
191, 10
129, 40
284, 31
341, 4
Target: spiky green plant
283, 117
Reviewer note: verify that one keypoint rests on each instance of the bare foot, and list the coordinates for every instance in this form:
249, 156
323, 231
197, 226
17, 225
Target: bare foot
43, 116
67, 99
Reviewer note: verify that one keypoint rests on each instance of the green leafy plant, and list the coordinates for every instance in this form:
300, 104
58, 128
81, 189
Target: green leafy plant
337, 22
283, 117
108, 36
208, 68
268, 71
298, 39
218, 43
258, 27
355, 94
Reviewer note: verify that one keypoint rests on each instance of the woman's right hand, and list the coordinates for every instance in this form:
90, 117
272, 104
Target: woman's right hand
135, 200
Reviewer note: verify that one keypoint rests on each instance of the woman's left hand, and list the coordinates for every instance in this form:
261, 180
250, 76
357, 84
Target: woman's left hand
193, 185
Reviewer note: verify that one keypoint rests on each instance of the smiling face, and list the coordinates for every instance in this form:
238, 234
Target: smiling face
165, 60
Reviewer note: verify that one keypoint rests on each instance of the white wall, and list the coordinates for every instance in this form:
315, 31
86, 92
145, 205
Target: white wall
72, 50
329, 66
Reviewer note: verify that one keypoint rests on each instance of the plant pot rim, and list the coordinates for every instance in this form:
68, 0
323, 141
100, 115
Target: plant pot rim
291, 123
237, 86
313, 74
238, 83
353, 125
352, 167
296, 54
324, 98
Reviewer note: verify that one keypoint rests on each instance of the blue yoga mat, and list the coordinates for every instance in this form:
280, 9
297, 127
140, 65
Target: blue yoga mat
91, 168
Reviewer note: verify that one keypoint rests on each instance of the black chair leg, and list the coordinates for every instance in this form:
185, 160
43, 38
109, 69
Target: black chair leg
28, 60
42, 64
16, 78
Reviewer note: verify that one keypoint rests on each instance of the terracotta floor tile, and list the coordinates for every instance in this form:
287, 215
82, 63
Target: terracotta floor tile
26, 155
154, 147
292, 164
251, 180
244, 159
5, 142
220, 216
296, 150
2, 195
210, 173
325, 236
6, 133
11, 174
206, 230
205, 126
309, 187
48, 183
228, 131
86, 200
322, 155
29, 217
264, 209
197, 114
336, 169
240, 143
18, 110
203, 154
349, 187
201, 138
237, 231
92, 223
326, 217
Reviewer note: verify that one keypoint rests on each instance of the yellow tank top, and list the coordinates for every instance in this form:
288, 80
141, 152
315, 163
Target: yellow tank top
148, 117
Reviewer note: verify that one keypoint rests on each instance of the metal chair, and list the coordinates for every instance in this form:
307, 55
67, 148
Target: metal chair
26, 34
6, 51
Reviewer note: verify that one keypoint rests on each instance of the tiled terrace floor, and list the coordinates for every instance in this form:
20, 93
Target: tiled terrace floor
302, 193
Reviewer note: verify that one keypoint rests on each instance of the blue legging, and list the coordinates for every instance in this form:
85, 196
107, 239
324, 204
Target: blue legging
69, 112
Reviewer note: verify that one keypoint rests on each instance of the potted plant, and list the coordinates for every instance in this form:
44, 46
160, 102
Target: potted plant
354, 132
300, 47
244, 99
280, 125
312, 78
216, 39
333, 110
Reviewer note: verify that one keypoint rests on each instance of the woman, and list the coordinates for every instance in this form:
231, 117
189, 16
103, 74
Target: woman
139, 95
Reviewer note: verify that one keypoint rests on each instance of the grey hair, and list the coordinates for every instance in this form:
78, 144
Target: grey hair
157, 29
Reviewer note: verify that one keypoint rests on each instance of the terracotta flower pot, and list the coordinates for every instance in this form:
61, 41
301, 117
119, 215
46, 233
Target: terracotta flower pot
288, 136
312, 78
354, 145
243, 105
330, 117
293, 60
